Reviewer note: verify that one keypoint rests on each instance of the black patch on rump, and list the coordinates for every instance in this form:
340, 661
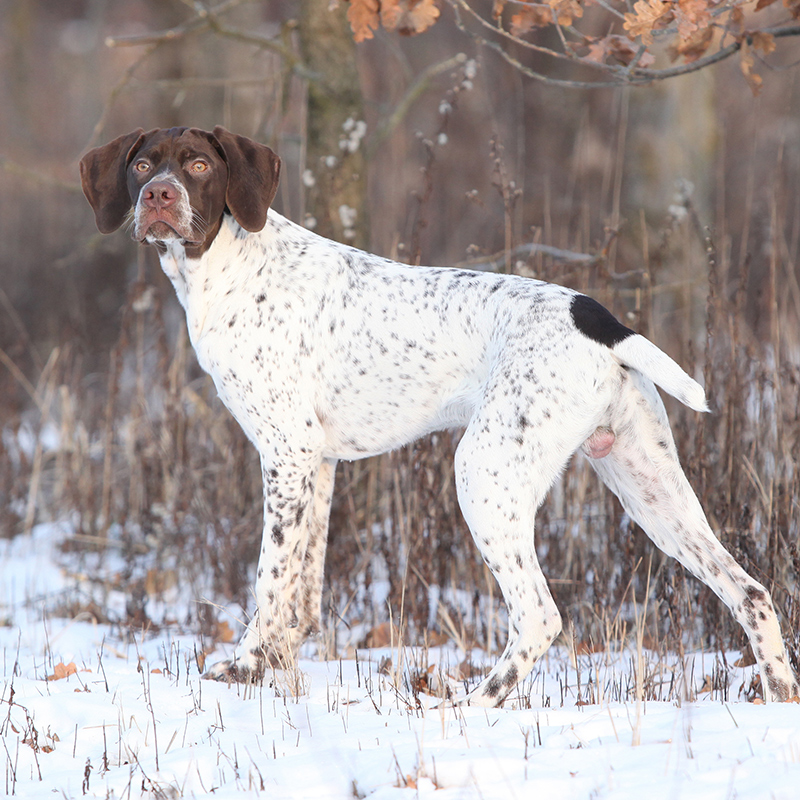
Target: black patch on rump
596, 322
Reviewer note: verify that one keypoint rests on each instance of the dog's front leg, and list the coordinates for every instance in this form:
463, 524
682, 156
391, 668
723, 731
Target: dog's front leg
292, 508
309, 602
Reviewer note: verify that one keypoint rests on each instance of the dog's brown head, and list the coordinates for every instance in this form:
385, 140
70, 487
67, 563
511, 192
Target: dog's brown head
179, 181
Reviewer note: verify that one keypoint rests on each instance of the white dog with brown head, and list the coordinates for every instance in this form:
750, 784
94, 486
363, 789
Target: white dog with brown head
323, 352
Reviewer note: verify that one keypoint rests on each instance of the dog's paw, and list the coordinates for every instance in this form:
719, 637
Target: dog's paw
247, 668
232, 672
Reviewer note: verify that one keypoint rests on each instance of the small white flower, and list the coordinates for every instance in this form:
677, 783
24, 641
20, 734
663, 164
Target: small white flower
347, 215
310, 222
330, 161
308, 178
356, 131
441, 139
684, 189
144, 302
445, 107
470, 69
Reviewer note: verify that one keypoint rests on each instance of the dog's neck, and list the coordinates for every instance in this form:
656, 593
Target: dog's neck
189, 273
187, 268
201, 281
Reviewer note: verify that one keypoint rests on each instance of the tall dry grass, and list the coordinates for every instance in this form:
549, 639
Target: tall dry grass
146, 462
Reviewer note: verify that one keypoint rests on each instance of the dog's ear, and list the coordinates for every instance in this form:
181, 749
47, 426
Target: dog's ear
105, 181
253, 173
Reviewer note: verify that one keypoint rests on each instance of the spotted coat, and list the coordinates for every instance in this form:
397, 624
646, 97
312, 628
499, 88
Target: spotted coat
323, 352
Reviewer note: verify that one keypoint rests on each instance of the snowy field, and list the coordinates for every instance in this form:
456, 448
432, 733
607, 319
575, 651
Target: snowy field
86, 713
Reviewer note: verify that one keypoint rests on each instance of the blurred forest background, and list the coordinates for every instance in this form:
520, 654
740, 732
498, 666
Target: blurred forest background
676, 204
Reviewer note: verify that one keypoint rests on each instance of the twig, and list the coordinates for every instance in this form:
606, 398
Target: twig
209, 19
116, 91
527, 71
290, 57
418, 88
48, 381
202, 19
510, 36
34, 176
21, 379
648, 75
532, 248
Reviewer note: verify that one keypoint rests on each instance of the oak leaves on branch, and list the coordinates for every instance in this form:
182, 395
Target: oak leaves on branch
638, 33
404, 16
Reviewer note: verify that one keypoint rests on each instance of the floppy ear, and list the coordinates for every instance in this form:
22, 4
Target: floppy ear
105, 181
253, 172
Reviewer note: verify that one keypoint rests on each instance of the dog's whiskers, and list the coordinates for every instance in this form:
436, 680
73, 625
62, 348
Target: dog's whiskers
199, 224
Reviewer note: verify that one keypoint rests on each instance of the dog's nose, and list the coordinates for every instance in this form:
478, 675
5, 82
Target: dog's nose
159, 194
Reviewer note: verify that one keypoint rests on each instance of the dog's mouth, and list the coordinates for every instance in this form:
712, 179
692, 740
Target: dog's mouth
161, 231
154, 228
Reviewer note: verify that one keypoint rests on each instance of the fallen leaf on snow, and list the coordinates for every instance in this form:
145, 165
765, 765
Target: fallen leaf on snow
62, 670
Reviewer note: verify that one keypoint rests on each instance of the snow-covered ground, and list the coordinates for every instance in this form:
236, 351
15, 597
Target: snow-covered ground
135, 720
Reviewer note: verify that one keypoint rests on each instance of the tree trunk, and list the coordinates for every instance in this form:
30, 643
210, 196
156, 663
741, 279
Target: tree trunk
336, 202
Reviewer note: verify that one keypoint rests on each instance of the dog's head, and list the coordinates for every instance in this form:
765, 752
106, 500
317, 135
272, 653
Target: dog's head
179, 182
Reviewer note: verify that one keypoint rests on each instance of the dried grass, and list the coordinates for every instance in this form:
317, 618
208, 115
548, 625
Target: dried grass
153, 466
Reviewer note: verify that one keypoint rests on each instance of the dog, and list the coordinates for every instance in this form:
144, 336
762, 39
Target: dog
323, 352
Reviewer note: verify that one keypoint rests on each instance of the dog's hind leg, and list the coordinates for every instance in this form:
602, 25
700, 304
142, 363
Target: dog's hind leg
503, 472
642, 469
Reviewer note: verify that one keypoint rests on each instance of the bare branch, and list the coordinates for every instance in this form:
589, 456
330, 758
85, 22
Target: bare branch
414, 91
498, 261
117, 90
527, 71
466, 7
204, 19
34, 176
198, 22
170, 35
291, 58
209, 19
610, 9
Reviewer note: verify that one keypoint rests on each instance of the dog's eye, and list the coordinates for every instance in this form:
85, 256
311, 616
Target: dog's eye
141, 166
198, 166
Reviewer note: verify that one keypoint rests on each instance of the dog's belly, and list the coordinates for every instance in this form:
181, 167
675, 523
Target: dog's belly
354, 431
365, 406
371, 398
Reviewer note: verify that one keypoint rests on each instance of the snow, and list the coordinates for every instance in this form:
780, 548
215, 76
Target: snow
135, 720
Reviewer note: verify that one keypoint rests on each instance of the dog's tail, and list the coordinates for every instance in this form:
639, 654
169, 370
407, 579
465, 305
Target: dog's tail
599, 324
641, 354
